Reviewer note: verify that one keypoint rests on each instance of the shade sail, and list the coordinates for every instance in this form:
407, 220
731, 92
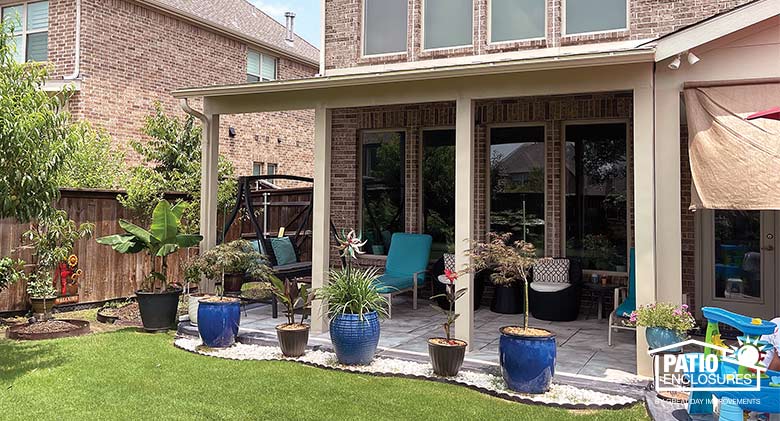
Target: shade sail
735, 162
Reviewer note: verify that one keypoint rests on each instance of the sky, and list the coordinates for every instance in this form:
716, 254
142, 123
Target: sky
307, 15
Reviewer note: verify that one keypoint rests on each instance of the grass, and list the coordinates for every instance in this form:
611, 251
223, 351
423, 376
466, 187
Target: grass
130, 375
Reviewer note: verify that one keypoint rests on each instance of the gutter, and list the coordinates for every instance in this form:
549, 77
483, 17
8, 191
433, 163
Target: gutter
639, 55
77, 54
224, 30
197, 114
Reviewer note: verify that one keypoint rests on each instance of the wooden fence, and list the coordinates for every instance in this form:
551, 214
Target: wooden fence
110, 275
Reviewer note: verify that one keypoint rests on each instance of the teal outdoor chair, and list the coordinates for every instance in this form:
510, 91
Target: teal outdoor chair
406, 265
625, 301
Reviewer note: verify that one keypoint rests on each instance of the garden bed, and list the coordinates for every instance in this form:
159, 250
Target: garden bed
561, 396
126, 315
50, 329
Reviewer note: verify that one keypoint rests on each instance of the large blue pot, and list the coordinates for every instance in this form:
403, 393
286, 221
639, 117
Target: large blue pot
527, 362
218, 322
353, 339
659, 337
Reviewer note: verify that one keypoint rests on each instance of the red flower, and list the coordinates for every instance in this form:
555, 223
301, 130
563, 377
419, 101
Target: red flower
452, 276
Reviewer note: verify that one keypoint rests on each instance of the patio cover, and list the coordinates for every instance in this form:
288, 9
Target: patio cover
735, 163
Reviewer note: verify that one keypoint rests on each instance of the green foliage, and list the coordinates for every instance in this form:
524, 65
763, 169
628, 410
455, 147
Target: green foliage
39, 285
33, 136
91, 162
292, 296
52, 239
163, 238
598, 252
353, 291
11, 271
664, 315
235, 257
172, 164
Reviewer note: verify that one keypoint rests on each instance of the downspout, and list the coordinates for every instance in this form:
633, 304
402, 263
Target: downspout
77, 54
197, 114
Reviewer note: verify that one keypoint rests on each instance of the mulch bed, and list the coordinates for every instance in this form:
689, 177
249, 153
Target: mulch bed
50, 329
128, 315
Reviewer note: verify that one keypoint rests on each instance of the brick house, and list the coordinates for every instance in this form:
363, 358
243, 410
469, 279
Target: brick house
122, 55
426, 104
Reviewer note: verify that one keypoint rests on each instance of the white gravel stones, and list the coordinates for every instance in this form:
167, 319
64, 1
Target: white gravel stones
559, 394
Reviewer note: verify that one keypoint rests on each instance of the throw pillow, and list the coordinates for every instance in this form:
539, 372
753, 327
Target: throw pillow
551, 270
283, 250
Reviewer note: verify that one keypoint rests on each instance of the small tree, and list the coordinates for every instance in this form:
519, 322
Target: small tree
34, 135
91, 162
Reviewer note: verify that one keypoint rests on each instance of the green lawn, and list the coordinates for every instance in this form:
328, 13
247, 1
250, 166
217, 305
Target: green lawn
131, 375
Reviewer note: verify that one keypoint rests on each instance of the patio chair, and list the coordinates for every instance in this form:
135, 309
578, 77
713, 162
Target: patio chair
555, 289
406, 265
624, 301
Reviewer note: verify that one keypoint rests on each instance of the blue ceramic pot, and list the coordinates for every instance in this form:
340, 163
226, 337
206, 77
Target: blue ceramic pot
527, 362
355, 340
218, 322
659, 337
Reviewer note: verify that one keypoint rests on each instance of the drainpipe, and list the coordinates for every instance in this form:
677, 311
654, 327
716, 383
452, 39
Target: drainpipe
77, 55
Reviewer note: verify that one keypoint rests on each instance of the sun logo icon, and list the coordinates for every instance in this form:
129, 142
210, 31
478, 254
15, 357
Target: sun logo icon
749, 352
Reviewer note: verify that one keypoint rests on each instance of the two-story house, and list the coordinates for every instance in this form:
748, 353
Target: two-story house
632, 111
123, 55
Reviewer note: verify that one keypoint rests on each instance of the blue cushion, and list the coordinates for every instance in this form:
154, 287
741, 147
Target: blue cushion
392, 282
627, 307
283, 251
409, 253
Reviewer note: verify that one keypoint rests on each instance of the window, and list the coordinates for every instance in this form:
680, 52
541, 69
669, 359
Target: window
517, 180
438, 189
384, 26
596, 186
583, 16
448, 23
513, 20
382, 208
257, 168
31, 30
260, 67
271, 169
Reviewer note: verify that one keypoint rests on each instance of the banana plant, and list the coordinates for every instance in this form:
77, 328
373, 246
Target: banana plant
162, 239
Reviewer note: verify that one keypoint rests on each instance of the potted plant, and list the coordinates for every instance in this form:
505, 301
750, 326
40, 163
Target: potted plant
665, 323
158, 298
354, 306
292, 336
192, 269
527, 355
447, 354
42, 295
232, 262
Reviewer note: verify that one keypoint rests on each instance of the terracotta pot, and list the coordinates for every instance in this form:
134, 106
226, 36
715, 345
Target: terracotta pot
292, 341
446, 359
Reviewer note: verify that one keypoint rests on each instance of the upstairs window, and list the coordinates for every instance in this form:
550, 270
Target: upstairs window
257, 168
585, 16
30, 22
448, 23
515, 20
272, 169
384, 26
260, 67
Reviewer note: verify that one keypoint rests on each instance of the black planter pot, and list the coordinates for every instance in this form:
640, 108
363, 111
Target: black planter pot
232, 283
508, 299
446, 359
292, 342
158, 311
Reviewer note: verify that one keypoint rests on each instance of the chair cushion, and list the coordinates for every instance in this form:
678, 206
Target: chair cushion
409, 253
283, 250
390, 283
551, 271
549, 286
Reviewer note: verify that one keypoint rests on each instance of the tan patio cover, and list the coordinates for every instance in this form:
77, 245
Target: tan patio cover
735, 163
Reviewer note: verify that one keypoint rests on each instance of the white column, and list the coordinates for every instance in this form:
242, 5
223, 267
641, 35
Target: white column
644, 210
667, 195
464, 215
208, 187
321, 222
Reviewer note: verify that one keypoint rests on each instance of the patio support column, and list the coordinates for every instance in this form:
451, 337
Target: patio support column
464, 215
644, 208
209, 180
321, 222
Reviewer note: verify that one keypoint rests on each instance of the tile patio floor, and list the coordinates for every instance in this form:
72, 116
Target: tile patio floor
582, 344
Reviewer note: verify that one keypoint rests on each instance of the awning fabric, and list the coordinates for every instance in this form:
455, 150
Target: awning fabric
735, 163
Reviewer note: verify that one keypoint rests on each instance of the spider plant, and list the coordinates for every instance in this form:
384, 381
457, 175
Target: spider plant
352, 291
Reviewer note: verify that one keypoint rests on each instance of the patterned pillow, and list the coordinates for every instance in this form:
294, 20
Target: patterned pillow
551, 270
449, 262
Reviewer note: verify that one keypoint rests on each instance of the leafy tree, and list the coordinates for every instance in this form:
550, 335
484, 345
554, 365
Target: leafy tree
172, 164
91, 162
34, 136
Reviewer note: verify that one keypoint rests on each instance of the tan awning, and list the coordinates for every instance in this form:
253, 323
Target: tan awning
735, 163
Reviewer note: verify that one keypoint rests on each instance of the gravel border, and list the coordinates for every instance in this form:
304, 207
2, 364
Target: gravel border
559, 396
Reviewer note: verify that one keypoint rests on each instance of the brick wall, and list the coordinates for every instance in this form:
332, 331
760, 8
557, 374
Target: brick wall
132, 56
648, 19
688, 221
